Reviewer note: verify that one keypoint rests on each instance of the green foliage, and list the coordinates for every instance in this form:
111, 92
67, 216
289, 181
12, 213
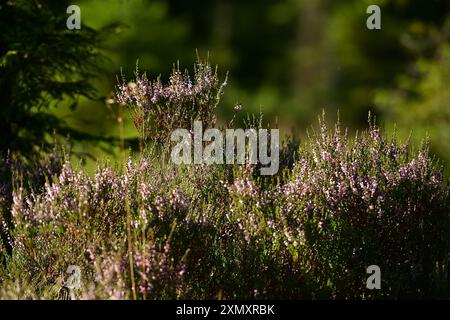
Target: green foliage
419, 105
42, 65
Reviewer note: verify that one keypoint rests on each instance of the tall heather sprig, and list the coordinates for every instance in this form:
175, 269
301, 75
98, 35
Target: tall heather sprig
159, 108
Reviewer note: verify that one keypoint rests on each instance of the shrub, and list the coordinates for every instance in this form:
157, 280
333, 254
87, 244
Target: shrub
14, 170
156, 230
158, 109
371, 201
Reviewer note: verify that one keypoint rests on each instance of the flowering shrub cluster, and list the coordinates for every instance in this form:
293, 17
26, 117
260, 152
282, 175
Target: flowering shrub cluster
370, 201
31, 174
155, 230
158, 109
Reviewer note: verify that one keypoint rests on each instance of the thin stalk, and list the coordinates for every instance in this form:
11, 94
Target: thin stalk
120, 120
130, 250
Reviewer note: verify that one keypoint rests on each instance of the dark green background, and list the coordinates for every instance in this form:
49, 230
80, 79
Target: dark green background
290, 59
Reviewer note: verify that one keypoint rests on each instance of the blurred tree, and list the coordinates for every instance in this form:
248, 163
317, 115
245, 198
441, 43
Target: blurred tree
419, 105
364, 60
290, 57
42, 65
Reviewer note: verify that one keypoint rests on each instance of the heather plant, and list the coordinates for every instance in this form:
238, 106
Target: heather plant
31, 175
82, 221
155, 230
368, 201
158, 109
152, 229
